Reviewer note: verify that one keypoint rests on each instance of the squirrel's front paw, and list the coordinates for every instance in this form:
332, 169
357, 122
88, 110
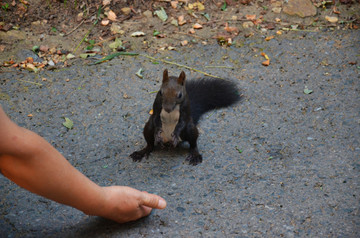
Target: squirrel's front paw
158, 138
175, 140
194, 159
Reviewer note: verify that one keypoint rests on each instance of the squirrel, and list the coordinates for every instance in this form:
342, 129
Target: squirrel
177, 109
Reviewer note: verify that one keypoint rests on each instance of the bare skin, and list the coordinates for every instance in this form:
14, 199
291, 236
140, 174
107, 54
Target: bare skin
32, 163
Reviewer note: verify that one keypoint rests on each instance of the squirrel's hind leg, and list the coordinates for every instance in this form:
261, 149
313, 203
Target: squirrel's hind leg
191, 136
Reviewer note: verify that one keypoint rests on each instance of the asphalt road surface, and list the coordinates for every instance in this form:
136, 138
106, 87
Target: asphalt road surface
282, 163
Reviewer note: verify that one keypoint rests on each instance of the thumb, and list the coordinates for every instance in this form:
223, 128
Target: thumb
152, 200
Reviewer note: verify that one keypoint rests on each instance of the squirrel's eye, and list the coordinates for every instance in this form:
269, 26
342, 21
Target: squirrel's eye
179, 95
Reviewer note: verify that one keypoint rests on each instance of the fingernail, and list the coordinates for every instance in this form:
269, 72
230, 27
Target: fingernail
161, 204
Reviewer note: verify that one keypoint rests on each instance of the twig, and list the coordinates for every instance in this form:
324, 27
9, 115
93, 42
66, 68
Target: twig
75, 28
179, 65
224, 67
26, 81
108, 39
195, 36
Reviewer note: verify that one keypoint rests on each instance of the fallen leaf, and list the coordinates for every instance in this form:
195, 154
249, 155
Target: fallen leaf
138, 33
250, 17
331, 19
116, 44
199, 6
31, 67
30, 115
184, 42
265, 55
269, 38
307, 91
266, 62
230, 29
174, 4
111, 15
126, 10
44, 48
105, 22
106, 2
206, 15
335, 10
191, 31
30, 60
174, 22
181, 20
68, 123
161, 14
151, 111
116, 29
279, 32
85, 55
139, 73
197, 26
70, 56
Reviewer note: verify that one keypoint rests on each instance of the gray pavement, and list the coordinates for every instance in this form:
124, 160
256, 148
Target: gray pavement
297, 174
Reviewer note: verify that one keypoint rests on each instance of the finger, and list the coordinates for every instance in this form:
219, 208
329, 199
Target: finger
152, 200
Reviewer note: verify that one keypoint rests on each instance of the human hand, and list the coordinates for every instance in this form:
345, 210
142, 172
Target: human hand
123, 204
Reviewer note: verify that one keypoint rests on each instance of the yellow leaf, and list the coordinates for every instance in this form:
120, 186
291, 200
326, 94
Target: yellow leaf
151, 112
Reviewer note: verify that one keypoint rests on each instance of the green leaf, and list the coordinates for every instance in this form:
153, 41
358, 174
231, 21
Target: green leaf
116, 44
139, 73
307, 91
206, 16
36, 48
68, 123
156, 33
110, 57
84, 56
239, 150
53, 29
224, 6
91, 42
161, 14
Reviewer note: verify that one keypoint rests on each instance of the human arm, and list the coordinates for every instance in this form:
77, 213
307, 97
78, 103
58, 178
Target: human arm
32, 163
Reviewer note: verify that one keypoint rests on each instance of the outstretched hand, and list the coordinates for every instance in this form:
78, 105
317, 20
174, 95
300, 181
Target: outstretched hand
123, 204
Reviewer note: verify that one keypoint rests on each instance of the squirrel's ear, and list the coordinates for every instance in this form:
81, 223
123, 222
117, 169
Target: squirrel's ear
181, 79
165, 76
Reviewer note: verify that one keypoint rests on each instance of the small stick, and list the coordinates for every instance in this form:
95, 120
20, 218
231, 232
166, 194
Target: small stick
224, 67
180, 65
26, 81
75, 28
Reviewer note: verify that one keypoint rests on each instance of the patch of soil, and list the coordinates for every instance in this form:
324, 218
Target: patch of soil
69, 25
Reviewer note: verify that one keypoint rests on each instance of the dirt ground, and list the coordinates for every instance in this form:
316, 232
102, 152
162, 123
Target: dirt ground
63, 27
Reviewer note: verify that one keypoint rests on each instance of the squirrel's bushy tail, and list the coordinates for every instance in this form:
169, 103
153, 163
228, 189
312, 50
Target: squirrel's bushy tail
208, 94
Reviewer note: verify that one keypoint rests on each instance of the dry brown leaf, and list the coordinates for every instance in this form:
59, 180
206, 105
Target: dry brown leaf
111, 15
105, 22
230, 29
106, 2
197, 26
30, 115
174, 4
269, 38
191, 31
250, 17
266, 62
184, 42
181, 20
